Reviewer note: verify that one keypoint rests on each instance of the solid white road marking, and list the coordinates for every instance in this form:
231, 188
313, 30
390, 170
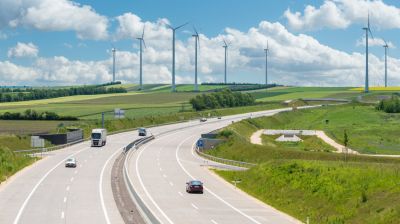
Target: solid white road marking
142, 184
194, 206
103, 206
62, 215
208, 190
16, 220
214, 222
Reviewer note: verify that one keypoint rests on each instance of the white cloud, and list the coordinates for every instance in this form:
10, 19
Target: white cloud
339, 14
293, 59
374, 42
23, 50
54, 15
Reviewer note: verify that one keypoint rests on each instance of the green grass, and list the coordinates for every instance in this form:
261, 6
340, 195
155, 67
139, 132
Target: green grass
327, 187
327, 192
369, 130
10, 163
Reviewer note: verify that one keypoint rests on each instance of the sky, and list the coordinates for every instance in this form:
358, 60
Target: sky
312, 43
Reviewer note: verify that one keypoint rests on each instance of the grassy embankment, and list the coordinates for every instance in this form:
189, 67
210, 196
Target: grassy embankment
10, 163
319, 185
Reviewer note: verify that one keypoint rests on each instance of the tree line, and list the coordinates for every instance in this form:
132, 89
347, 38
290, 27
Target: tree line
37, 94
34, 115
391, 105
225, 98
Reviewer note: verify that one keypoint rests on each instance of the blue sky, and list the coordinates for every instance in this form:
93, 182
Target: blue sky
69, 38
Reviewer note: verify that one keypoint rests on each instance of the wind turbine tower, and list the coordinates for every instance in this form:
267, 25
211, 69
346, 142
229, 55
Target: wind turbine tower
197, 45
367, 30
386, 46
173, 53
113, 53
266, 64
226, 55
142, 42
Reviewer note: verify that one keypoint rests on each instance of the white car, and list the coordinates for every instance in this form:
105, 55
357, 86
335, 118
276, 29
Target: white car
71, 162
203, 119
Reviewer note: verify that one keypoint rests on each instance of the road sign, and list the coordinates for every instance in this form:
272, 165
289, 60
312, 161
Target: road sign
37, 142
118, 113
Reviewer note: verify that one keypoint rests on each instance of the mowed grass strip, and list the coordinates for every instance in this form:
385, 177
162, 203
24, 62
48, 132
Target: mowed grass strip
11, 163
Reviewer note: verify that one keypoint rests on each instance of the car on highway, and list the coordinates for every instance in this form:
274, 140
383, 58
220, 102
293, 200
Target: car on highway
142, 131
71, 162
203, 119
194, 186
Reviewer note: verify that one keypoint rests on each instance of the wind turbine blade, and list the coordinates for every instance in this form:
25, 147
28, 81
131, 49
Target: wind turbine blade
195, 31
144, 43
225, 43
267, 45
369, 30
143, 31
198, 41
181, 25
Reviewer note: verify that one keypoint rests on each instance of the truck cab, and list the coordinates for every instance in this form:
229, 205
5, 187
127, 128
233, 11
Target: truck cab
99, 137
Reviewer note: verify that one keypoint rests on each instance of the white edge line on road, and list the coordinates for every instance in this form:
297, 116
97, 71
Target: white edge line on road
208, 190
144, 188
103, 205
21, 210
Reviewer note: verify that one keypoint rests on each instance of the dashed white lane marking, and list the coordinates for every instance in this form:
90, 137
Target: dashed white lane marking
160, 169
67, 189
21, 210
65, 199
170, 183
194, 206
214, 222
165, 176
85, 160
62, 215
76, 172
80, 166
208, 190
180, 193
72, 179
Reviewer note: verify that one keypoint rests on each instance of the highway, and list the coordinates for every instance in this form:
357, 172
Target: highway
47, 192
160, 169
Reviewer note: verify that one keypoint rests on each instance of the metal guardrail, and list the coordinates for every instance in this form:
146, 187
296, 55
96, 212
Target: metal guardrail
145, 212
224, 161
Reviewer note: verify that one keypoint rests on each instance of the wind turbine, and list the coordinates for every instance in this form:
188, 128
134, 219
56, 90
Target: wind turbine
142, 42
386, 46
266, 64
113, 53
367, 30
226, 55
173, 53
197, 43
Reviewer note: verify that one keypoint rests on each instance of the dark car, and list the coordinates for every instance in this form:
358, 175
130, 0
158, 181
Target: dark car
194, 186
142, 132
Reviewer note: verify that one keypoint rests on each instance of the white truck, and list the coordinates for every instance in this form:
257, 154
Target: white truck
99, 137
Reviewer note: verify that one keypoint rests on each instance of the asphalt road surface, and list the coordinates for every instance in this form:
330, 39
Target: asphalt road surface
47, 192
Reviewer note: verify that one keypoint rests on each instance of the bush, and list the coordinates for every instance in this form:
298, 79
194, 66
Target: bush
391, 105
225, 98
30, 114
